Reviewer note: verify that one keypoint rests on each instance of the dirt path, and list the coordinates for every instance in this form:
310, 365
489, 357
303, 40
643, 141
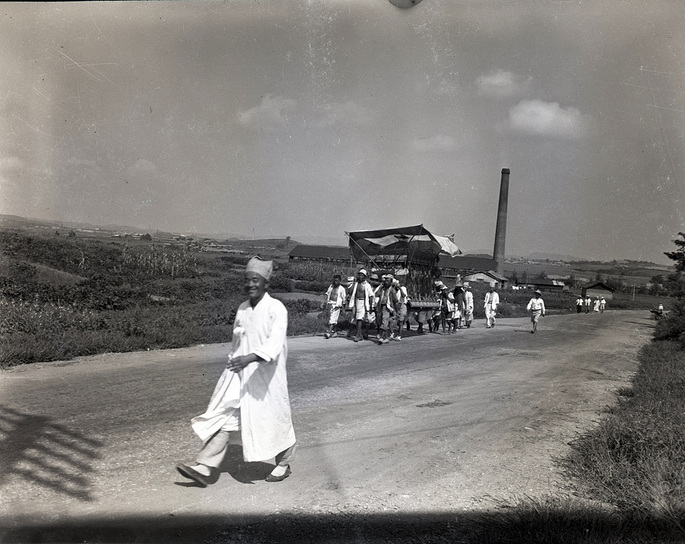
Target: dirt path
428, 429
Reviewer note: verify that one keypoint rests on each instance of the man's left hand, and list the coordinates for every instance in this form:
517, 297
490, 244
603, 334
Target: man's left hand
238, 363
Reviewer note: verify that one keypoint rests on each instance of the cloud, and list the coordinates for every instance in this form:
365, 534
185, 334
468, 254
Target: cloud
501, 84
546, 118
439, 142
346, 113
272, 113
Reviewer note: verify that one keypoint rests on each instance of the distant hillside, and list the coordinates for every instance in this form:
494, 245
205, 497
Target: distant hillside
14, 221
542, 256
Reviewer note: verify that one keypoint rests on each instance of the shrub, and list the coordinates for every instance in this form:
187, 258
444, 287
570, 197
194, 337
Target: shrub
672, 327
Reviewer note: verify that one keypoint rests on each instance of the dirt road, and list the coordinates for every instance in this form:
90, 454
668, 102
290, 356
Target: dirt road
413, 434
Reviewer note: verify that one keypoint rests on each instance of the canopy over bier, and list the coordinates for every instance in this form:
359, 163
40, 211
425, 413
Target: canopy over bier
415, 244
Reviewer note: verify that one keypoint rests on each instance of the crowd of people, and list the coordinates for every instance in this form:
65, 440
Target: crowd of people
587, 304
387, 306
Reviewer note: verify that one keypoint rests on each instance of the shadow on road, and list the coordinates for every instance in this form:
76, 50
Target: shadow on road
246, 473
44, 453
508, 526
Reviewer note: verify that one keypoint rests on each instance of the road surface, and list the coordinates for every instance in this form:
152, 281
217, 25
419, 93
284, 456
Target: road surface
410, 436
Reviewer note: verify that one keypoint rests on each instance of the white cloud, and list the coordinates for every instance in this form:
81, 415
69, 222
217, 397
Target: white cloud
439, 142
501, 84
346, 113
270, 114
546, 118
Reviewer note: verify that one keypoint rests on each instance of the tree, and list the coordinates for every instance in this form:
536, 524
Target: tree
675, 282
673, 327
679, 255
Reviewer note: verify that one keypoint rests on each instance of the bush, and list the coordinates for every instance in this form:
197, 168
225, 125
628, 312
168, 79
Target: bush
672, 327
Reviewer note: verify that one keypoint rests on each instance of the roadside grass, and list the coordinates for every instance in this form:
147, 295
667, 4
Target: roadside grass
628, 471
635, 457
34, 332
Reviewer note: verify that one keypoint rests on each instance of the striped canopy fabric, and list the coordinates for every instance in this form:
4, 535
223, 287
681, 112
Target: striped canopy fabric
415, 243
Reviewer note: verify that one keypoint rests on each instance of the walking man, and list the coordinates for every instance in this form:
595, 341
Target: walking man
250, 401
491, 303
536, 307
402, 298
361, 304
385, 307
579, 304
468, 305
335, 300
459, 305
588, 303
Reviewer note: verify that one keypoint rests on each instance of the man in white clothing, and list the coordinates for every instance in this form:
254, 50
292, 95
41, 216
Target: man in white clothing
490, 304
536, 307
335, 300
251, 398
361, 302
468, 305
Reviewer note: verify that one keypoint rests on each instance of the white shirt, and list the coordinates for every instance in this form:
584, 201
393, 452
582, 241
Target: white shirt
491, 299
336, 295
536, 304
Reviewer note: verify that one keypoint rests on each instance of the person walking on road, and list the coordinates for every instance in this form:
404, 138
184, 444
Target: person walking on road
402, 299
386, 299
335, 300
536, 307
588, 304
361, 303
459, 305
447, 310
579, 304
491, 302
250, 401
468, 305
602, 304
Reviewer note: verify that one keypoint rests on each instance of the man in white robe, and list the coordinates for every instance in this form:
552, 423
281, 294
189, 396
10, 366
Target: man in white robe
490, 304
252, 394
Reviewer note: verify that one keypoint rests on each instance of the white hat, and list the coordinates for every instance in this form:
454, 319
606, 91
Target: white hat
363, 271
260, 266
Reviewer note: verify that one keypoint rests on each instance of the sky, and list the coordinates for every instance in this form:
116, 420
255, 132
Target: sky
311, 119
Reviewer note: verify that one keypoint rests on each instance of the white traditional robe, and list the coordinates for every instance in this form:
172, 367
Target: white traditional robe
254, 400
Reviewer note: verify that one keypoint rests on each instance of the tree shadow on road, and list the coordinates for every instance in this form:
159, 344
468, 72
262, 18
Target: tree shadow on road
42, 453
503, 527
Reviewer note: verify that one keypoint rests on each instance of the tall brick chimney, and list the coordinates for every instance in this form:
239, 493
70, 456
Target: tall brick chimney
501, 228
